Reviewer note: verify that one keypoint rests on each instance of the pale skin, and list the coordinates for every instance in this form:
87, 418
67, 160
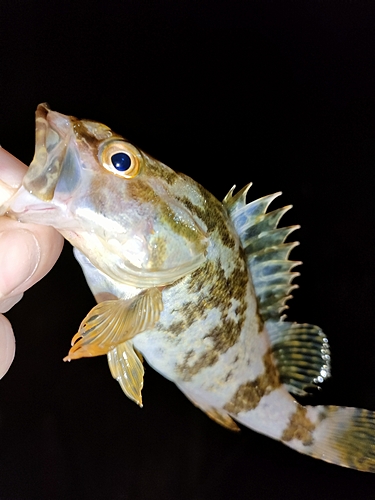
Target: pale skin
27, 253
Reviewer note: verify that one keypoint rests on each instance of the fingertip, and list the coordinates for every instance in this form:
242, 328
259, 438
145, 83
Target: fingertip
12, 170
7, 345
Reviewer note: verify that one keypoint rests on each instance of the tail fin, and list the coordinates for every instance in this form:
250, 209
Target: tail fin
336, 434
339, 435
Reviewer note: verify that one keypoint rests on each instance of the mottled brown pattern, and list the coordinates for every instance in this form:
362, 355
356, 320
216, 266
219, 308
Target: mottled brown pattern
300, 427
182, 228
219, 296
226, 333
356, 445
161, 171
213, 215
207, 359
249, 394
141, 190
158, 252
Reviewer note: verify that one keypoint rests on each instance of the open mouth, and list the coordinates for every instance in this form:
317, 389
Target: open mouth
52, 136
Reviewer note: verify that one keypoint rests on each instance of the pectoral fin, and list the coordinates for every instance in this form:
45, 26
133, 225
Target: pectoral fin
112, 322
127, 368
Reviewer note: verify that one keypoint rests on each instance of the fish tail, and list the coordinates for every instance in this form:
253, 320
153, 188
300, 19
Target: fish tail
340, 435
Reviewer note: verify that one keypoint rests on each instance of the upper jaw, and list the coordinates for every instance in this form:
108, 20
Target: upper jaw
52, 132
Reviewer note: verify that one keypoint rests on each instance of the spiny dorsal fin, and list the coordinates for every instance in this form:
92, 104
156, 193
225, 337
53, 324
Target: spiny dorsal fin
301, 353
234, 203
266, 250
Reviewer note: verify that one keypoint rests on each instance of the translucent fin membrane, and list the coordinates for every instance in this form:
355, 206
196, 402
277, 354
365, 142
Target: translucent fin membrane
266, 250
127, 368
302, 355
112, 322
343, 436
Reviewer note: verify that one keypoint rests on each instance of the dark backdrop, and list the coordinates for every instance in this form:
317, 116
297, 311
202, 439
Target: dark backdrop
281, 94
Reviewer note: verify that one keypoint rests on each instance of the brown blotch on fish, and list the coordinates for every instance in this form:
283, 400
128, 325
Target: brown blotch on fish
300, 427
223, 290
249, 394
326, 412
207, 359
212, 215
180, 227
219, 296
141, 190
224, 336
161, 171
158, 252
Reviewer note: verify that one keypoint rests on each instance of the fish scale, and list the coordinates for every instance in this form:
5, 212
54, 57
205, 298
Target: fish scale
196, 287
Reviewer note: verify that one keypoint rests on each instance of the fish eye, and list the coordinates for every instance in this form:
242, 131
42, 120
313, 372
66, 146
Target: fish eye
120, 158
121, 161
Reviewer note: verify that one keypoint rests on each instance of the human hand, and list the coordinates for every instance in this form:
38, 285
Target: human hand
27, 253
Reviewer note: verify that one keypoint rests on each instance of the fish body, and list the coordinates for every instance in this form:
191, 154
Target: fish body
195, 286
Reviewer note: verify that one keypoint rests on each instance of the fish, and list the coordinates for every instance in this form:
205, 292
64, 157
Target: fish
196, 287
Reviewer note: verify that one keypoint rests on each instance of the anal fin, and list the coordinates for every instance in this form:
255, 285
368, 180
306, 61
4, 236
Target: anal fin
127, 368
222, 418
218, 415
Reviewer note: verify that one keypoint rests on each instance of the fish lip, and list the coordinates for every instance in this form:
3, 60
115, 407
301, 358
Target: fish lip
61, 124
42, 110
52, 135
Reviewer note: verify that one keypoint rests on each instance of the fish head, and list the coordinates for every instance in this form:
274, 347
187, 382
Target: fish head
110, 200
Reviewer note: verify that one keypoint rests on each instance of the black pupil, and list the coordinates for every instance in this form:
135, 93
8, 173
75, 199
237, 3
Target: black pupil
121, 161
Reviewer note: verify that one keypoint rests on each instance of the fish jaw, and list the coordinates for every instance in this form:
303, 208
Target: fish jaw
51, 135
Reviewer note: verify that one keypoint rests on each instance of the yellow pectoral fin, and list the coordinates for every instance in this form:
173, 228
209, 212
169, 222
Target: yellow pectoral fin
114, 321
127, 368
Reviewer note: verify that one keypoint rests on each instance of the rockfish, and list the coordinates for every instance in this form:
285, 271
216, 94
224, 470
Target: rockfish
195, 286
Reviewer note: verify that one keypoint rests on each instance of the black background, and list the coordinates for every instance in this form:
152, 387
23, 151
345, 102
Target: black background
281, 94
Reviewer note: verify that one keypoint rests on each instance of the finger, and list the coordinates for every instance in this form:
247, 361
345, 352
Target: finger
8, 302
27, 253
12, 170
11, 174
7, 345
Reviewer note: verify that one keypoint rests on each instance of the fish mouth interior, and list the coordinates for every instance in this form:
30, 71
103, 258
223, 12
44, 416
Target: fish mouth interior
51, 131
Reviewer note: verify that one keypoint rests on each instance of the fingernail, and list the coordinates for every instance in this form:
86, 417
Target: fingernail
19, 259
7, 346
8, 302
